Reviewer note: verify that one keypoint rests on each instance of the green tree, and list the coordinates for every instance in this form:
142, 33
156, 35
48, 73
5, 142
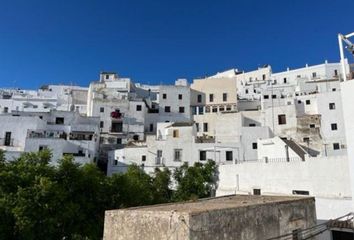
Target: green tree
133, 188
41, 201
161, 185
194, 182
83, 191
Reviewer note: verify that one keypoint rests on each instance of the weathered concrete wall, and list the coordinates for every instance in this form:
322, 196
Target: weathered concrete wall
133, 225
253, 222
243, 222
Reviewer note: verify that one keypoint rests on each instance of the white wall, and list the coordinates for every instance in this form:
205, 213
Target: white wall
347, 90
323, 177
275, 149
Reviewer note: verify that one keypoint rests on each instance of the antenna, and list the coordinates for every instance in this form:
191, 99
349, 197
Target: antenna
349, 46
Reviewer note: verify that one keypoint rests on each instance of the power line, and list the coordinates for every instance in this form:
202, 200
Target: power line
311, 230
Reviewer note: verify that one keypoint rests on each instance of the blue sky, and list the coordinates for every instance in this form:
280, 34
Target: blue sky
158, 41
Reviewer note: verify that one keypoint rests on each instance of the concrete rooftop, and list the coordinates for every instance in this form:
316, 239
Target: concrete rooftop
225, 202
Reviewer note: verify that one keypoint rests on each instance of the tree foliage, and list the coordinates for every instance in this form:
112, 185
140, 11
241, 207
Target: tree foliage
67, 201
194, 182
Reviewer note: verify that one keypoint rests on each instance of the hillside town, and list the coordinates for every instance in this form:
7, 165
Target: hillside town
269, 133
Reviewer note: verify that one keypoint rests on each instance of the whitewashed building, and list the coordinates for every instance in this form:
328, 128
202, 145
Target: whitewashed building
48, 97
60, 131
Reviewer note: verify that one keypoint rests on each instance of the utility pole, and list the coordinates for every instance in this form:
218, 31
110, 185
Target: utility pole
349, 46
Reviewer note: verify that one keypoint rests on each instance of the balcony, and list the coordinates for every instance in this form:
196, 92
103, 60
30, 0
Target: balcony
78, 154
205, 139
46, 134
116, 115
7, 142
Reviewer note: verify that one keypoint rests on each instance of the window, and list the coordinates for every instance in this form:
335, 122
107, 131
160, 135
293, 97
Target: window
284, 80
215, 109
252, 125
332, 106
335, 72
143, 158
266, 96
8, 140
221, 109
202, 155
228, 108
298, 76
136, 137
211, 97
107, 76
6, 109
199, 98
334, 89
254, 91
264, 77
178, 155
246, 91
224, 97
167, 109
119, 141
205, 127
158, 156
151, 127
314, 74
201, 110
176, 133
197, 126
101, 124
308, 102
334, 126
336, 146
256, 191
181, 109
164, 96
274, 96
306, 139
42, 147
299, 101
115, 162
281, 119
229, 156
301, 192
180, 96
101, 109
254, 145
59, 120
138, 108
312, 125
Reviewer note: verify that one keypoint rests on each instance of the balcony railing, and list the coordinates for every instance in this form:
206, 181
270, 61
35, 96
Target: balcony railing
205, 139
46, 134
7, 142
115, 130
78, 154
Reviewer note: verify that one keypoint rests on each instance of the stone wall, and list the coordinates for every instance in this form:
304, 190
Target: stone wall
261, 220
